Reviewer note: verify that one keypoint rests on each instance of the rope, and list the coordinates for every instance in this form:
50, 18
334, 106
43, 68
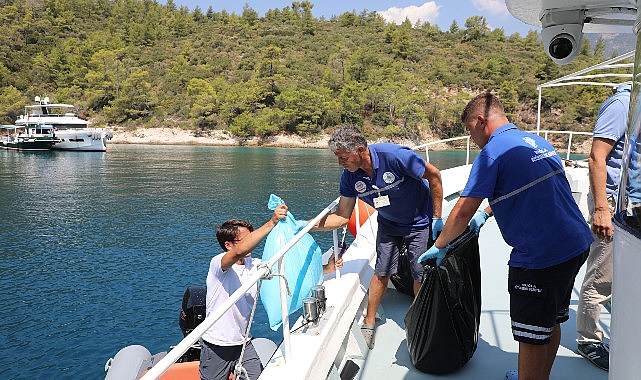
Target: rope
239, 369
270, 275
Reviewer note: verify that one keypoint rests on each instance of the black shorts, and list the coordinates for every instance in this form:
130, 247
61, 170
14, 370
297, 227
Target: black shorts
217, 362
540, 299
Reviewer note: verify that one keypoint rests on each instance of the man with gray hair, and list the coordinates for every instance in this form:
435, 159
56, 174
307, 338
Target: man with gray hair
407, 193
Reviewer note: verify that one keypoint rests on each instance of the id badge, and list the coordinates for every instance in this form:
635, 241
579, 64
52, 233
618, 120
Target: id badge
381, 201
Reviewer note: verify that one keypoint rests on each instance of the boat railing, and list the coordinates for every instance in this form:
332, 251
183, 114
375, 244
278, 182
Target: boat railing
172, 356
427, 146
544, 133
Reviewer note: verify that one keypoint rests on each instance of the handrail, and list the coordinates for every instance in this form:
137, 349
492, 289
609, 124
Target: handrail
571, 133
172, 356
546, 132
427, 146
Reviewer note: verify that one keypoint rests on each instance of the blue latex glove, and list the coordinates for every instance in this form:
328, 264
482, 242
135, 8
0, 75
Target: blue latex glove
300, 224
437, 226
478, 221
433, 253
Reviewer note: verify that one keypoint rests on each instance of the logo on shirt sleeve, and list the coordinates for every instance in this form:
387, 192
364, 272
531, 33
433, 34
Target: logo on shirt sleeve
530, 141
360, 186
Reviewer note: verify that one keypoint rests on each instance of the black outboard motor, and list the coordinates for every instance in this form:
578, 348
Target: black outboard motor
192, 313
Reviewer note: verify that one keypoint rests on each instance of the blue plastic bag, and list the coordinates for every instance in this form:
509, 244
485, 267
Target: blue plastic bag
303, 267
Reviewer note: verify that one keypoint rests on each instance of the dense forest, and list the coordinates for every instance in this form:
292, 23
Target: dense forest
135, 63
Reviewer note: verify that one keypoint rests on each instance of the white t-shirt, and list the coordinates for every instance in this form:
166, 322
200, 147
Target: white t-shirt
230, 329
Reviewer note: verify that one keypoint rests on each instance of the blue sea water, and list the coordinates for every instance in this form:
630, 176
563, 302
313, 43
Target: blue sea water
97, 249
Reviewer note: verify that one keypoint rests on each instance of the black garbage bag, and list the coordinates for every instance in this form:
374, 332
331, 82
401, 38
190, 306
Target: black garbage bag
402, 279
442, 323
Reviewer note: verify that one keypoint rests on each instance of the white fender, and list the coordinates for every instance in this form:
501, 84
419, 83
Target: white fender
127, 363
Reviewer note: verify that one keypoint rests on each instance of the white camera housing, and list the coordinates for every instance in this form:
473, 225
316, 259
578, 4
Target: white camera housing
562, 42
562, 33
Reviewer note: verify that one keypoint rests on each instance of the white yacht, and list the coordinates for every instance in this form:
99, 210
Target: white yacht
73, 132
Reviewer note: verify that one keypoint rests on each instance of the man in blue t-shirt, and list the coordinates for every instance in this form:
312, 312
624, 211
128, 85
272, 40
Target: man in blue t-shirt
407, 193
605, 168
523, 179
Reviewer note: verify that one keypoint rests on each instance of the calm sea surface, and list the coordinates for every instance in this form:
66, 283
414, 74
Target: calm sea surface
97, 249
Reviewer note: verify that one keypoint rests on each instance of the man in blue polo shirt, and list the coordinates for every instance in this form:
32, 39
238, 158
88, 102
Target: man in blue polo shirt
523, 178
605, 168
407, 193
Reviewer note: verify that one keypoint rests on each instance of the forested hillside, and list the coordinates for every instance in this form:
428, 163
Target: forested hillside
140, 63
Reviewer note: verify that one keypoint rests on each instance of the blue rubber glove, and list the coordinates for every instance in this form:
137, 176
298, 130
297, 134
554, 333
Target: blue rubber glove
300, 224
478, 221
433, 253
437, 226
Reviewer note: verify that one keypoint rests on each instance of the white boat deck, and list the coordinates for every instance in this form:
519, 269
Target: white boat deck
496, 352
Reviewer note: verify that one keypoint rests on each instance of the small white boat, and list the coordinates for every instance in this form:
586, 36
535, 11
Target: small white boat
73, 132
34, 138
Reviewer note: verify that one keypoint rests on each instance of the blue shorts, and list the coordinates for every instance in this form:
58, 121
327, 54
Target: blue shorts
389, 243
540, 299
217, 362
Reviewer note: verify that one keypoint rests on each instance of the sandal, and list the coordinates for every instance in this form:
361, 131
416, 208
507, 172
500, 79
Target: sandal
368, 333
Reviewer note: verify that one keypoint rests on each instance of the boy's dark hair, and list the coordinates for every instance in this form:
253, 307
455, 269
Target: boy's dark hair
229, 230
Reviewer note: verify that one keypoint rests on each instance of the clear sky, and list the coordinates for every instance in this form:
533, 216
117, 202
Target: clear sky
440, 12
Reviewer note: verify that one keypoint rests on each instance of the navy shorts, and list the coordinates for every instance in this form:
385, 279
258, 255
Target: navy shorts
540, 299
390, 241
217, 362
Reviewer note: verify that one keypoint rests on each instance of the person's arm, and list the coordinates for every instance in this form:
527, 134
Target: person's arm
433, 177
601, 219
244, 247
457, 221
339, 218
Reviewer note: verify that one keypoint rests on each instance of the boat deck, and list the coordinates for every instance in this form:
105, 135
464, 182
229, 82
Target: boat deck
497, 352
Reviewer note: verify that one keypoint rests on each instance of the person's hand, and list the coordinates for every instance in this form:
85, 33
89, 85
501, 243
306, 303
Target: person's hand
433, 253
300, 224
602, 224
437, 226
332, 264
478, 221
339, 263
280, 213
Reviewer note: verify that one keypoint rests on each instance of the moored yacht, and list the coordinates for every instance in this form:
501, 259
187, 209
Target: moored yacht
73, 132
34, 138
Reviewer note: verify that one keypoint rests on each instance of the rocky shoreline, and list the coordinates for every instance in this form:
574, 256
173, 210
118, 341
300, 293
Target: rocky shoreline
177, 136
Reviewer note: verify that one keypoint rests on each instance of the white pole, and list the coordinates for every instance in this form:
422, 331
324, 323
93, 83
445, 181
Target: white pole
337, 250
284, 309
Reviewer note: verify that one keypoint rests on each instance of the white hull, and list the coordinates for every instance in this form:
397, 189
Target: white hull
86, 139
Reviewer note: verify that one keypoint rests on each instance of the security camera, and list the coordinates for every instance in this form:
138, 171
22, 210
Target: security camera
562, 34
562, 42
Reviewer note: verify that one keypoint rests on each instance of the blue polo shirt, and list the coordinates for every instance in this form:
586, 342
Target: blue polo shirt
611, 123
523, 178
398, 174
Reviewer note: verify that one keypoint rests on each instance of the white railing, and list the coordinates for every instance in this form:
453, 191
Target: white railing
427, 146
545, 134
570, 133
172, 356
